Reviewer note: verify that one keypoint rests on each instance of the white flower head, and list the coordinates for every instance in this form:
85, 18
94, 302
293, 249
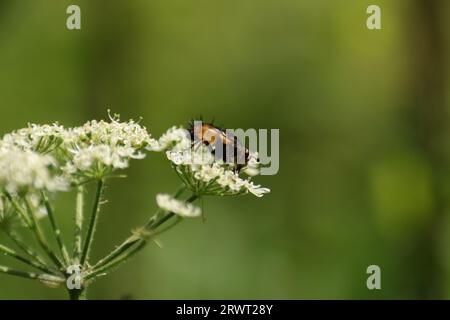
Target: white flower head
39, 138
168, 203
97, 161
93, 150
27, 170
114, 133
202, 172
97, 148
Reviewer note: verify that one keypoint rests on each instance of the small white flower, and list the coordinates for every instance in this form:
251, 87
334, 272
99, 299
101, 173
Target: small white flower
175, 139
97, 160
41, 138
23, 170
253, 165
99, 147
257, 190
192, 156
114, 133
168, 203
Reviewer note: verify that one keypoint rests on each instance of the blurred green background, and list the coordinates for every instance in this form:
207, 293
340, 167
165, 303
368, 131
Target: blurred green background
364, 124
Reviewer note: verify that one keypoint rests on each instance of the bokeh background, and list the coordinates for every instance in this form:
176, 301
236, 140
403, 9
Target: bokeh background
364, 124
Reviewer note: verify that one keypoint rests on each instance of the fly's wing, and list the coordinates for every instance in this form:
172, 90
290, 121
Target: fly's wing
235, 151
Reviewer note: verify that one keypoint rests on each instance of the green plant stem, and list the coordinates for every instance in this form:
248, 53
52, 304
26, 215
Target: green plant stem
129, 242
39, 235
31, 223
43, 277
26, 249
92, 223
15, 272
56, 229
128, 254
11, 253
159, 212
22, 213
77, 294
78, 225
167, 228
116, 262
121, 254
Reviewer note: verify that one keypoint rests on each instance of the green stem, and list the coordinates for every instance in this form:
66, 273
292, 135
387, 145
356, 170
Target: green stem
78, 225
77, 294
25, 248
120, 253
167, 217
31, 223
128, 243
158, 213
22, 213
162, 230
15, 272
92, 223
11, 253
44, 278
39, 235
116, 262
56, 229
109, 265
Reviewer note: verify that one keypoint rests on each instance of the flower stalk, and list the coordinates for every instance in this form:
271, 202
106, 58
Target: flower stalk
134, 243
11, 253
42, 277
56, 230
40, 238
78, 232
92, 223
25, 248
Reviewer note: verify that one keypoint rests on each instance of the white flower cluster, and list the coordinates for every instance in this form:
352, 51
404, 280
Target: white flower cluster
99, 147
175, 139
22, 170
113, 133
202, 172
87, 159
40, 138
91, 151
168, 203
